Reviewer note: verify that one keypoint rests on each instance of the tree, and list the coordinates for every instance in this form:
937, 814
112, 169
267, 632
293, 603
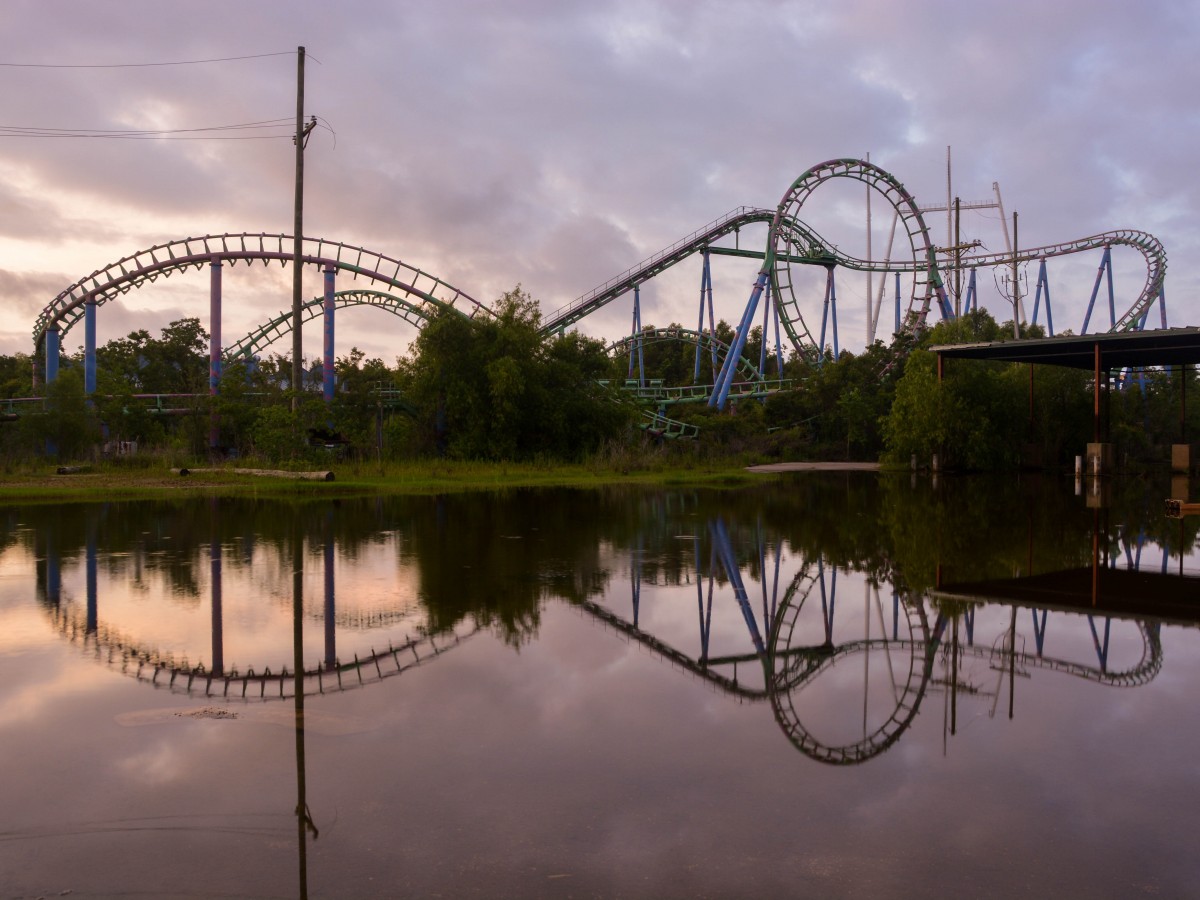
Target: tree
175, 363
495, 388
67, 426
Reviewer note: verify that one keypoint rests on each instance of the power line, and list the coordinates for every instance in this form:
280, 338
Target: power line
182, 62
152, 137
146, 134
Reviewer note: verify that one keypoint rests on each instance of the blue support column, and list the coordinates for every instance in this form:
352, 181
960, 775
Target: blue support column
705, 286
1112, 303
829, 314
329, 349
972, 299
53, 571
52, 354
725, 553
827, 599
1105, 264
700, 599
89, 346
214, 348
1162, 306
635, 581
724, 380
1039, 631
833, 311
1043, 285
1101, 647
766, 320
824, 315
637, 307
778, 342
775, 586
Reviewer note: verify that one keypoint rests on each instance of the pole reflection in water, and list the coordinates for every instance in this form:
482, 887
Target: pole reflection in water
304, 822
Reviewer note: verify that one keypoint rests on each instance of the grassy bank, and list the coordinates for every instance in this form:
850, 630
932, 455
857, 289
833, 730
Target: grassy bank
113, 480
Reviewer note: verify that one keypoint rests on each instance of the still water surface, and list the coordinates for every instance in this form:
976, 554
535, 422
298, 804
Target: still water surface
840, 685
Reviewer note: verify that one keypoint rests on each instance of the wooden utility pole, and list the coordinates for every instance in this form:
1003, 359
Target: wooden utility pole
298, 237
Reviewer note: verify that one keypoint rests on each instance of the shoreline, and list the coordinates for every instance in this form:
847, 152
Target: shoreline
776, 468
104, 483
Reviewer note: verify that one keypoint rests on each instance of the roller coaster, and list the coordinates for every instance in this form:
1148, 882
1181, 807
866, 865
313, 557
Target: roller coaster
791, 246
795, 640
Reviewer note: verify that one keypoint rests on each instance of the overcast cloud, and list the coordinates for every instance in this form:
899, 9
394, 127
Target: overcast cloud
556, 144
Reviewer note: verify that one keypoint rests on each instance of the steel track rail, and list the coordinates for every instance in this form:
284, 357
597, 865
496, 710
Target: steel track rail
194, 253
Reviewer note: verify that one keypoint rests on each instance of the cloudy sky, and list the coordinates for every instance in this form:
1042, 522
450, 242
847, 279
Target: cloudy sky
555, 144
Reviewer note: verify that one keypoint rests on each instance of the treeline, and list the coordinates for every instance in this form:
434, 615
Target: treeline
470, 389
496, 389
885, 403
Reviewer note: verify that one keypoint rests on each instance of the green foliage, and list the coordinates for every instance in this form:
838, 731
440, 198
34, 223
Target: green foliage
16, 376
837, 407
175, 363
978, 417
496, 389
277, 434
68, 424
974, 420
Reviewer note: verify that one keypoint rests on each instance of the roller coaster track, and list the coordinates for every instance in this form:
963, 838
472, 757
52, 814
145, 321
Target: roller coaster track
791, 242
665, 651
165, 672
746, 370
1145, 243
683, 248
416, 314
659, 425
698, 393
196, 252
788, 236
819, 657
412, 294
802, 664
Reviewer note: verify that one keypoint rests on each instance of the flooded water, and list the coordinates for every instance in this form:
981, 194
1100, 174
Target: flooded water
842, 685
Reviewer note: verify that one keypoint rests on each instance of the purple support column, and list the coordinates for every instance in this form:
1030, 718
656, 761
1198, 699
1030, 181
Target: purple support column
329, 351
330, 608
52, 341
214, 347
91, 567
89, 346
218, 617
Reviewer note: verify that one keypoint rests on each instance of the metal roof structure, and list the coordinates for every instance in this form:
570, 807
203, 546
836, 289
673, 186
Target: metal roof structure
1163, 347
1119, 593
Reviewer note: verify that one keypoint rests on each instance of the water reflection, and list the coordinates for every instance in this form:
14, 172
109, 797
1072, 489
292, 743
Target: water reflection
842, 608
771, 623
